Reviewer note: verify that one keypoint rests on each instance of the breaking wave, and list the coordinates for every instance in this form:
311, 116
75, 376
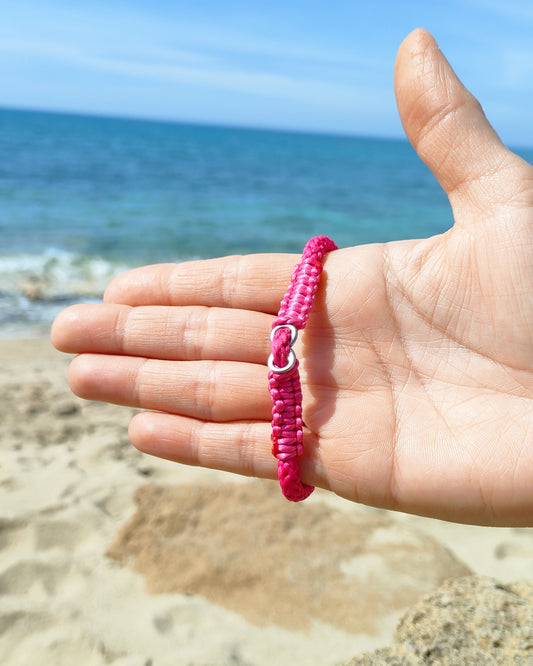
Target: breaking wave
35, 287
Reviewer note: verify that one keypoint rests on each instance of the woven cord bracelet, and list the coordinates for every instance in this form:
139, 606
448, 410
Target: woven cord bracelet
284, 378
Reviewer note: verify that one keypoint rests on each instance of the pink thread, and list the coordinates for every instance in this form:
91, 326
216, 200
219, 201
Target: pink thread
284, 387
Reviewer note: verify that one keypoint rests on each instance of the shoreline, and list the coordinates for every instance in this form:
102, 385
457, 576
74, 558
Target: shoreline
68, 482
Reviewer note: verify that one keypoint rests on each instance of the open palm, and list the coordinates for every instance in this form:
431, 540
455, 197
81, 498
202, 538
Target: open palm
416, 364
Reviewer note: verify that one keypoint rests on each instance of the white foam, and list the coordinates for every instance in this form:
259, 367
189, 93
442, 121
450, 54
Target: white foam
57, 273
35, 287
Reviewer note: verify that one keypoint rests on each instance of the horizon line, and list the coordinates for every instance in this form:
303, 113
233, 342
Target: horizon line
164, 120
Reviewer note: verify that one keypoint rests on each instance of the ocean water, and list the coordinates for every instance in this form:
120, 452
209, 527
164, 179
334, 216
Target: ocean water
84, 198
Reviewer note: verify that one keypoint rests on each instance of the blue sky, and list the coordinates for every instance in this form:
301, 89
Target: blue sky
306, 65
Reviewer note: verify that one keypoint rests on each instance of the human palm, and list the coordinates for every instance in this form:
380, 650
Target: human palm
416, 363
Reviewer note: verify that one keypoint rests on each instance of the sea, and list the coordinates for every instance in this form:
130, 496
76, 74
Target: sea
83, 198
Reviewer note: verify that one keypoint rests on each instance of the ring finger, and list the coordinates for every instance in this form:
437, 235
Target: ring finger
205, 390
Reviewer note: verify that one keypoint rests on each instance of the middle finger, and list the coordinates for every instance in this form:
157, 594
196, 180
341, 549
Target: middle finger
165, 332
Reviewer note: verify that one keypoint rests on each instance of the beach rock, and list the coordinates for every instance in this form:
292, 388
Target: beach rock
245, 548
473, 620
34, 288
66, 408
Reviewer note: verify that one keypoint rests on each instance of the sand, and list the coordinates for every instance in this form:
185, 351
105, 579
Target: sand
108, 556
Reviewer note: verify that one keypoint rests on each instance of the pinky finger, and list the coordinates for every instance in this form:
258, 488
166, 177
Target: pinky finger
238, 447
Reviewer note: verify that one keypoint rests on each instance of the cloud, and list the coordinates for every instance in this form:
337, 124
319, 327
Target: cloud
518, 66
249, 64
199, 54
143, 34
516, 10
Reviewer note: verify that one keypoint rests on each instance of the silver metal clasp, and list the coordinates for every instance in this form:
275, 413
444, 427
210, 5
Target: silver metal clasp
291, 359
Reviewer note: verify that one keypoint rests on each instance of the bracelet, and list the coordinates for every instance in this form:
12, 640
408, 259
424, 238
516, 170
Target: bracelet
284, 378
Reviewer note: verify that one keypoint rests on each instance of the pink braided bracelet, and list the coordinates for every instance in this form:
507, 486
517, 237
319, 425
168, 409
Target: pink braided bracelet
284, 378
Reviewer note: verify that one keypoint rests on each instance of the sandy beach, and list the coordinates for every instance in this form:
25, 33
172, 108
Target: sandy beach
108, 556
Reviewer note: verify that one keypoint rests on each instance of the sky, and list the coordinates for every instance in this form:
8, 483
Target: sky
302, 65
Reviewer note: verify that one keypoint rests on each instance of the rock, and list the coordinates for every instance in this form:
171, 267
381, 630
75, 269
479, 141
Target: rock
473, 620
34, 288
67, 408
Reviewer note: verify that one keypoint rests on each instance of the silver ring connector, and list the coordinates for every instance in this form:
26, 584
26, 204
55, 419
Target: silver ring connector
291, 359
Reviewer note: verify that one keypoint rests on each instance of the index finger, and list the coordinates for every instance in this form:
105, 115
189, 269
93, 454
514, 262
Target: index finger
251, 282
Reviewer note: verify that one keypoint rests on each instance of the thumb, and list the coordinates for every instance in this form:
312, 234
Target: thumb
447, 127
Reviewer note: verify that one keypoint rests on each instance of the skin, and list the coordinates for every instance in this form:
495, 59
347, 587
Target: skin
416, 364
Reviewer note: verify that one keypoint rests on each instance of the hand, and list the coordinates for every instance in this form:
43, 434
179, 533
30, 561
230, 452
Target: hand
416, 364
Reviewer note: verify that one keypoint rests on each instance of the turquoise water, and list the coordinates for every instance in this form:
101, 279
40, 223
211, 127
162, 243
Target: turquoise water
82, 198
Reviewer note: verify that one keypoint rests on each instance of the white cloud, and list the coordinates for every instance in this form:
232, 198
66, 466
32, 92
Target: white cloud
519, 10
133, 45
143, 34
518, 66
